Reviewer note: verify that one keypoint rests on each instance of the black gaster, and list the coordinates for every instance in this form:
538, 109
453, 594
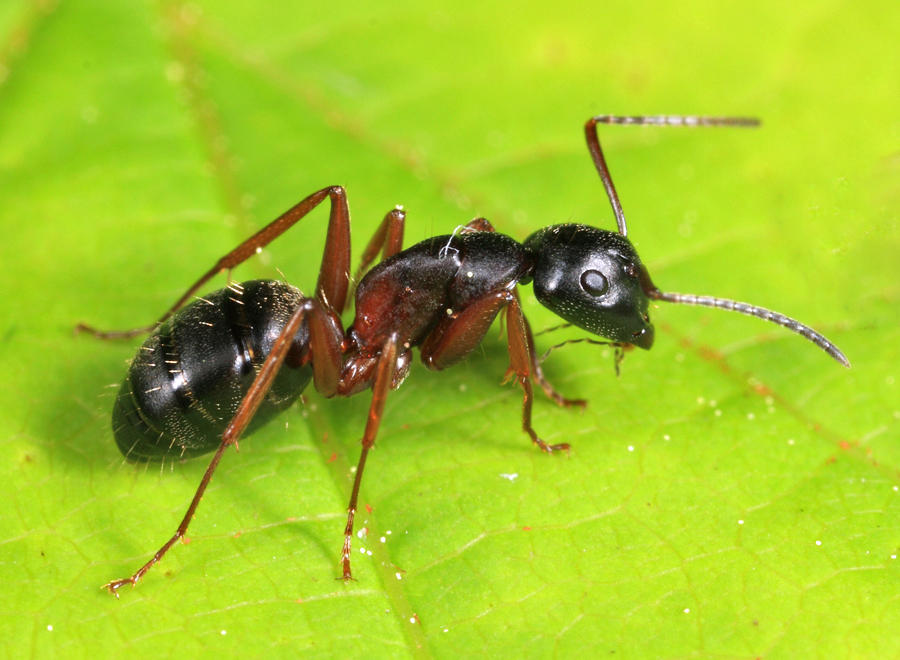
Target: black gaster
172, 406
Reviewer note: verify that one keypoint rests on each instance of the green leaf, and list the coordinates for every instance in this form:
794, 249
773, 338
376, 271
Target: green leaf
733, 493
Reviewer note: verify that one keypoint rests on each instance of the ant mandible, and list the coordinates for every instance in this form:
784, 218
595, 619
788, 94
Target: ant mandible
228, 362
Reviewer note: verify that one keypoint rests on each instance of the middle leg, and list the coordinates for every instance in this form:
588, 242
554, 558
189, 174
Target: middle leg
521, 362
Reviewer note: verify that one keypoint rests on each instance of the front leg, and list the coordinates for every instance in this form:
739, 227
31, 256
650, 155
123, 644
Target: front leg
520, 364
538, 374
457, 335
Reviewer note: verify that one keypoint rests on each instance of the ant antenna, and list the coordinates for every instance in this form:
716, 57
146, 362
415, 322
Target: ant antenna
753, 310
593, 143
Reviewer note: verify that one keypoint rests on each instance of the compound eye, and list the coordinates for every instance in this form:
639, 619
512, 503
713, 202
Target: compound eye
594, 282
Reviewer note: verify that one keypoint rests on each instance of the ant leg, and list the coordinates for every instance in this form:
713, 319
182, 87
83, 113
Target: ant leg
593, 143
521, 360
387, 239
538, 374
384, 377
326, 338
333, 275
458, 334
245, 412
482, 224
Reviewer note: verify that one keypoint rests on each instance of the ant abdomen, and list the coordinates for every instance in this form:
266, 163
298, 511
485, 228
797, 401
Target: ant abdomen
190, 375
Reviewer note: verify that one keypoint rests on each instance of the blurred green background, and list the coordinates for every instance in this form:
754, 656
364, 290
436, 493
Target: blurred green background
734, 493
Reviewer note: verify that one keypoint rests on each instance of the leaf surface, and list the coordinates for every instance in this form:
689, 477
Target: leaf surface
733, 493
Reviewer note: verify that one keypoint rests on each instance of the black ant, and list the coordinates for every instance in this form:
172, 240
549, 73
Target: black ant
228, 362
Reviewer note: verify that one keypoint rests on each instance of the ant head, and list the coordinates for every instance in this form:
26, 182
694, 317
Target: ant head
594, 279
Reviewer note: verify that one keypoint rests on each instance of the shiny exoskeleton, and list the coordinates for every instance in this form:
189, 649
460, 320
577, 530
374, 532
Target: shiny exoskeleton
228, 362
189, 376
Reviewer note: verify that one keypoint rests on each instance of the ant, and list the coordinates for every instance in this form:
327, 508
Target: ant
228, 362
